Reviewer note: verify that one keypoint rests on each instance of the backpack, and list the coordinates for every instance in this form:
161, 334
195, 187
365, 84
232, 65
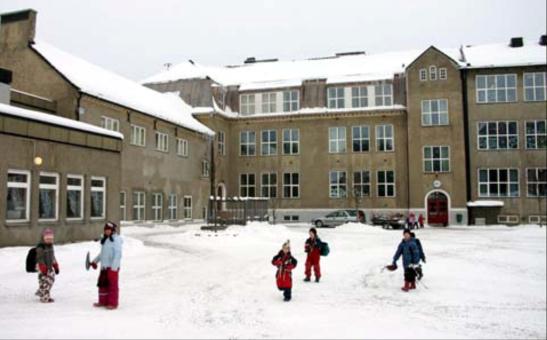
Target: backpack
31, 260
325, 249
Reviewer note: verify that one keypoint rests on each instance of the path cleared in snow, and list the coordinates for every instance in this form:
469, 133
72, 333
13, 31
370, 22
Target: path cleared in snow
186, 283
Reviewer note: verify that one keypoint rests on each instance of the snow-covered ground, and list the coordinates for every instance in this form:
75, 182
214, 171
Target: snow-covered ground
487, 282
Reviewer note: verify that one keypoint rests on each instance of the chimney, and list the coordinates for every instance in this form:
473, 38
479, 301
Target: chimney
250, 60
5, 81
543, 40
17, 29
516, 42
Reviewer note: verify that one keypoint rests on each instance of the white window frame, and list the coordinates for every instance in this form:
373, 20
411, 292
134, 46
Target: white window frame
187, 209
49, 187
109, 123
535, 135
508, 183
123, 206
290, 184
359, 96
386, 184
422, 74
335, 188
162, 142
337, 139
362, 185
361, 140
291, 100
432, 159
382, 129
496, 89
381, 98
138, 133
508, 219
79, 188
265, 145
249, 143
441, 112
139, 204
290, 141
157, 206
269, 102
221, 140
182, 147
443, 73
535, 87
537, 183
507, 136
20, 185
336, 97
172, 207
432, 72
247, 186
247, 104
97, 189
205, 168
266, 189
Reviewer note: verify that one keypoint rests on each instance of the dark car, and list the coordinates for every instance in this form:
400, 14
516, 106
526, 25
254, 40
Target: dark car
396, 221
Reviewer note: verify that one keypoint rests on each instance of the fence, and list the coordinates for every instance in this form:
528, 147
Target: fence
224, 211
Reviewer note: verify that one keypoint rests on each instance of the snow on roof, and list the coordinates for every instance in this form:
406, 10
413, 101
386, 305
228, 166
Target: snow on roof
56, 120
484, 204
98, 82
502, 55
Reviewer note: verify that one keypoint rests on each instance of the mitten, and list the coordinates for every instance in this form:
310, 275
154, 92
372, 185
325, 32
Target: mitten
43, 268
93, 265
56, 268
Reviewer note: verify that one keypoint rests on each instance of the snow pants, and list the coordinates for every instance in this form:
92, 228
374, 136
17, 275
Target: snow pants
108, 288
45, 283
410, 275
312, 261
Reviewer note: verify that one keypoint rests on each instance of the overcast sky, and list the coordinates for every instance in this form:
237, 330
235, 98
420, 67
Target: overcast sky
136, 38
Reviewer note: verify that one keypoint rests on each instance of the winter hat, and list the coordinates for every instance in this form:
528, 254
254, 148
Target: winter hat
47, 232
110, 225
287, 244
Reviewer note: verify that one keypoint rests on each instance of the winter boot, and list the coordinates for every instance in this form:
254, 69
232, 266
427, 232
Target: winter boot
406, 287
98, 305
413, 285
317, 279
111, 307
307, 279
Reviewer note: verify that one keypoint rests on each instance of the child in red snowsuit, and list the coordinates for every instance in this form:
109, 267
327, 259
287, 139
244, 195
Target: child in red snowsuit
313, 248
285, 263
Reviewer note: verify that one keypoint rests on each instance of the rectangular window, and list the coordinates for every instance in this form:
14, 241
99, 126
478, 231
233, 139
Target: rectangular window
247, 185
498, 183
187, 207
360, 138
48, 199
423, 74
98, 197
432, 72
18, 196
335, 98
385, 183
536, 134
337, 139
182, 147
269, 185
385, 138
110, 124
535, 87
496, 88
361, 183
74, 197
434, 112
205, 168
139, 205
221, 139
291, 185
269, 101
162, 142
443, 73
138, 135
247, 143
337, 184
291, 101
157, 206
436, 159
359, 96
498, 135
172, 207
269, 143
291, 141
247, 104
536, 179
123, 206
383, 94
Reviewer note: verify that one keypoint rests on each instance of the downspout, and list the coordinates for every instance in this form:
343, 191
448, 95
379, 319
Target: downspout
78, 100
466, 140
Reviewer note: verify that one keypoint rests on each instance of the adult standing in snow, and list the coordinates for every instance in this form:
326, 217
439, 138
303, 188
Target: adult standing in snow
285, 263
421, 221
313, 249
411, 256
419, 271
47, 266
109, 258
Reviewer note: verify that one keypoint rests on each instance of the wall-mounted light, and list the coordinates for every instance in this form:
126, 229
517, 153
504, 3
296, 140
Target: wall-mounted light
38, 160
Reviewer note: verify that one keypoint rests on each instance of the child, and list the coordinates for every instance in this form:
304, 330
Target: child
285, 263
313, 248
421, 220
408, 249
47, 266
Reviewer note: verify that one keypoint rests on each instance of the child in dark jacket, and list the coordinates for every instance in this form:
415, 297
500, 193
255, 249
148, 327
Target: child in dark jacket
409, 251
47, 266
313, 248
419, 271
285, 263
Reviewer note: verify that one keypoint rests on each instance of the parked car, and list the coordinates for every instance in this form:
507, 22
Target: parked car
339, 217
396, 221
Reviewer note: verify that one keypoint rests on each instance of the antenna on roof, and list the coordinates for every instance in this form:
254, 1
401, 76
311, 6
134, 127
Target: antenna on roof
167, 66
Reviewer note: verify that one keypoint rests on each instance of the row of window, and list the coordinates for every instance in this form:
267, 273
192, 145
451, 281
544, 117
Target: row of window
503, 135
269, 102
19, 191
505, 182
502, 88
157, 205
433, 73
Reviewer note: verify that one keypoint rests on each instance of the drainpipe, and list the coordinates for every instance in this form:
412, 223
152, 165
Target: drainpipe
78, 100
466, 139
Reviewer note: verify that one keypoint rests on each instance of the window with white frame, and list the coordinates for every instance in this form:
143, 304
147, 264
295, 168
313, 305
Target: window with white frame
337, 139
172, 206
535, 87
205, 168
498, 183
335, 98
182, 147
221, 140
74, 197
110, 124
139, 205
337, 184
247, 143
536, 134
291, 141
162, 142
187, 207
247, 185
291, 101
98, 197
432, 72
502, 135
123, 206
385, 182
423, 74
138, 135
269, 185
436, 159
360, 136
383, 94
443, 73
536, 179
496, 88
18, 196
268, 145
269, 102
359, 96
247, 104
361, 183
157, 206
385, 138
434, 112
291, 185
48, 197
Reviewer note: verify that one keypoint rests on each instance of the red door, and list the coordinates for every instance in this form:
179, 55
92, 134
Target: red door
437, 208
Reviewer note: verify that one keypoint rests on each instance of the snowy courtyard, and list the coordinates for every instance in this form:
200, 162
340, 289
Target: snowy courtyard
182, 282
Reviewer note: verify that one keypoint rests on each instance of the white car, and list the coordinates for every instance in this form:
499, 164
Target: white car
337, 218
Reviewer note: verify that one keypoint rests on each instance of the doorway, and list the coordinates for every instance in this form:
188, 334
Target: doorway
437, 208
